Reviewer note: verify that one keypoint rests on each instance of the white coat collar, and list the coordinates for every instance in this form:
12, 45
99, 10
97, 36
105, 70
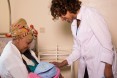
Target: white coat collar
81, 11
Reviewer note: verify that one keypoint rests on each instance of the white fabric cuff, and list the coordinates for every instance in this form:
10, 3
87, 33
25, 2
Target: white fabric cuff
107, 56
69, 61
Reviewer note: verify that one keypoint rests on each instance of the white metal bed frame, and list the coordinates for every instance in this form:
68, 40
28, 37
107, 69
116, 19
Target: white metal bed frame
54, 53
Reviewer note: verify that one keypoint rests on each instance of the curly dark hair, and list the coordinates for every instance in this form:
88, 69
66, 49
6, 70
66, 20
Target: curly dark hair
60, 7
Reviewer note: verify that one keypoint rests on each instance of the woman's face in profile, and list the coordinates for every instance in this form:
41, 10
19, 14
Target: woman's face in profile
24, 43
69, 17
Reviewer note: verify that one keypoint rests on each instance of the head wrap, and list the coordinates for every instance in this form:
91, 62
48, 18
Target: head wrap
20, 29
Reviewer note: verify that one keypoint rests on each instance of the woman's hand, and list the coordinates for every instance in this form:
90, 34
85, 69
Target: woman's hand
57, 64
108, 71
60, 64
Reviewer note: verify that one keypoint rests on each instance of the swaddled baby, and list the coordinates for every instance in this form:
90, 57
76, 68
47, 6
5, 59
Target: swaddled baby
42, 69
45, 70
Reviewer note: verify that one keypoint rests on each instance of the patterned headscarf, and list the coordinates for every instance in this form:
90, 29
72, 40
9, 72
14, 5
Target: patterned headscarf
20, 29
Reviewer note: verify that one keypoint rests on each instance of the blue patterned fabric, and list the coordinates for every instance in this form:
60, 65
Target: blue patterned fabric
45, 70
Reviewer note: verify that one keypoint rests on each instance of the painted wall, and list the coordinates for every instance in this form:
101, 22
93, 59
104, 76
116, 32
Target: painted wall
37, 12
4, 17
53, 33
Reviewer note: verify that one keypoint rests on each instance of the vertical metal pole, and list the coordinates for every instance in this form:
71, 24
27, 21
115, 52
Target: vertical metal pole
9, 6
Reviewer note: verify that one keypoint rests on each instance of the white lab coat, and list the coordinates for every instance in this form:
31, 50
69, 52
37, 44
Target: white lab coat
11, 63
92, 44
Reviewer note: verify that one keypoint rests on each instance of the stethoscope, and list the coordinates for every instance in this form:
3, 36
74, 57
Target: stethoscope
78, 23
76, 30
